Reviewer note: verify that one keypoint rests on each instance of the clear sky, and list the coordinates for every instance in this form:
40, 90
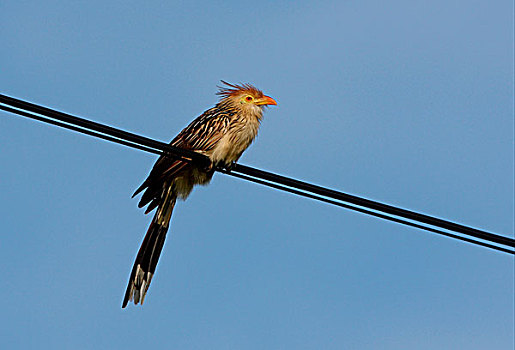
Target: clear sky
405, 102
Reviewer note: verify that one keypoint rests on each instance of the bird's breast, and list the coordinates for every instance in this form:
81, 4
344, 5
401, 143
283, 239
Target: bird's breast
236, 140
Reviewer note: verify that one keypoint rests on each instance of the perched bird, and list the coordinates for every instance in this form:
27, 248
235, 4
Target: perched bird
221, 133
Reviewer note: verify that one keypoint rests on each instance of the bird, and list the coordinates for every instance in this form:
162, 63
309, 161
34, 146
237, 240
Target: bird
222, 133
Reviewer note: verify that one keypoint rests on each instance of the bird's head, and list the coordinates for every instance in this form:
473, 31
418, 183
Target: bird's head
244, 97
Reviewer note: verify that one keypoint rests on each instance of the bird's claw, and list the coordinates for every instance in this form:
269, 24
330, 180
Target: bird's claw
227, 167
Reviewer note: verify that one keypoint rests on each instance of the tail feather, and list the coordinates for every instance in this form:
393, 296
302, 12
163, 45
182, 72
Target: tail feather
149, 252
141, 188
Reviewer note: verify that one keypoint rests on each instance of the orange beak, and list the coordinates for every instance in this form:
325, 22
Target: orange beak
265, 101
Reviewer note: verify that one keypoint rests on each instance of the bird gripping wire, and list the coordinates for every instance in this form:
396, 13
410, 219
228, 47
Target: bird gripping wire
366, 206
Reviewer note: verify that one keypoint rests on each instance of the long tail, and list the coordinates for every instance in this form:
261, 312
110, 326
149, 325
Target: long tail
149, 252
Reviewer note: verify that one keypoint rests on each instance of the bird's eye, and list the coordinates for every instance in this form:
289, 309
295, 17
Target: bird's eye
248, 98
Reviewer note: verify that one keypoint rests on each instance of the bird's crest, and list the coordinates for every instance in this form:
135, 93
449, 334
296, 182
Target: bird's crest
234, 89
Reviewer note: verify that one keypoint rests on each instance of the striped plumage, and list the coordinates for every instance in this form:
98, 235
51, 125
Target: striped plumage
222, 133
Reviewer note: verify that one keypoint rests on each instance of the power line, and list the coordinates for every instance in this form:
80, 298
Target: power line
367, 203
370, 212
84, 124
297, 187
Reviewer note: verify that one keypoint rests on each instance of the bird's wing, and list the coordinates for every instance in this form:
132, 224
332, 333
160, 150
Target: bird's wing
204, 132
201, 135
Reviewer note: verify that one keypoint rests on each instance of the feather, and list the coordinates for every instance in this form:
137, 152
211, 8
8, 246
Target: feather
234, 89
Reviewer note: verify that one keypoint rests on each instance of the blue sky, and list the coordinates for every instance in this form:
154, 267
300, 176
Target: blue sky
405, 102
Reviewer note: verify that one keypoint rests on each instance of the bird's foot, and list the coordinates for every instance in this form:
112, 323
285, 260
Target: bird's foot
230, 166
227, 167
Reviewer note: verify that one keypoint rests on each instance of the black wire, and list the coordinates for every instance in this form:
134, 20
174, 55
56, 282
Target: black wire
104, 129
369, 212
81, 130
256, 175
367, 203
